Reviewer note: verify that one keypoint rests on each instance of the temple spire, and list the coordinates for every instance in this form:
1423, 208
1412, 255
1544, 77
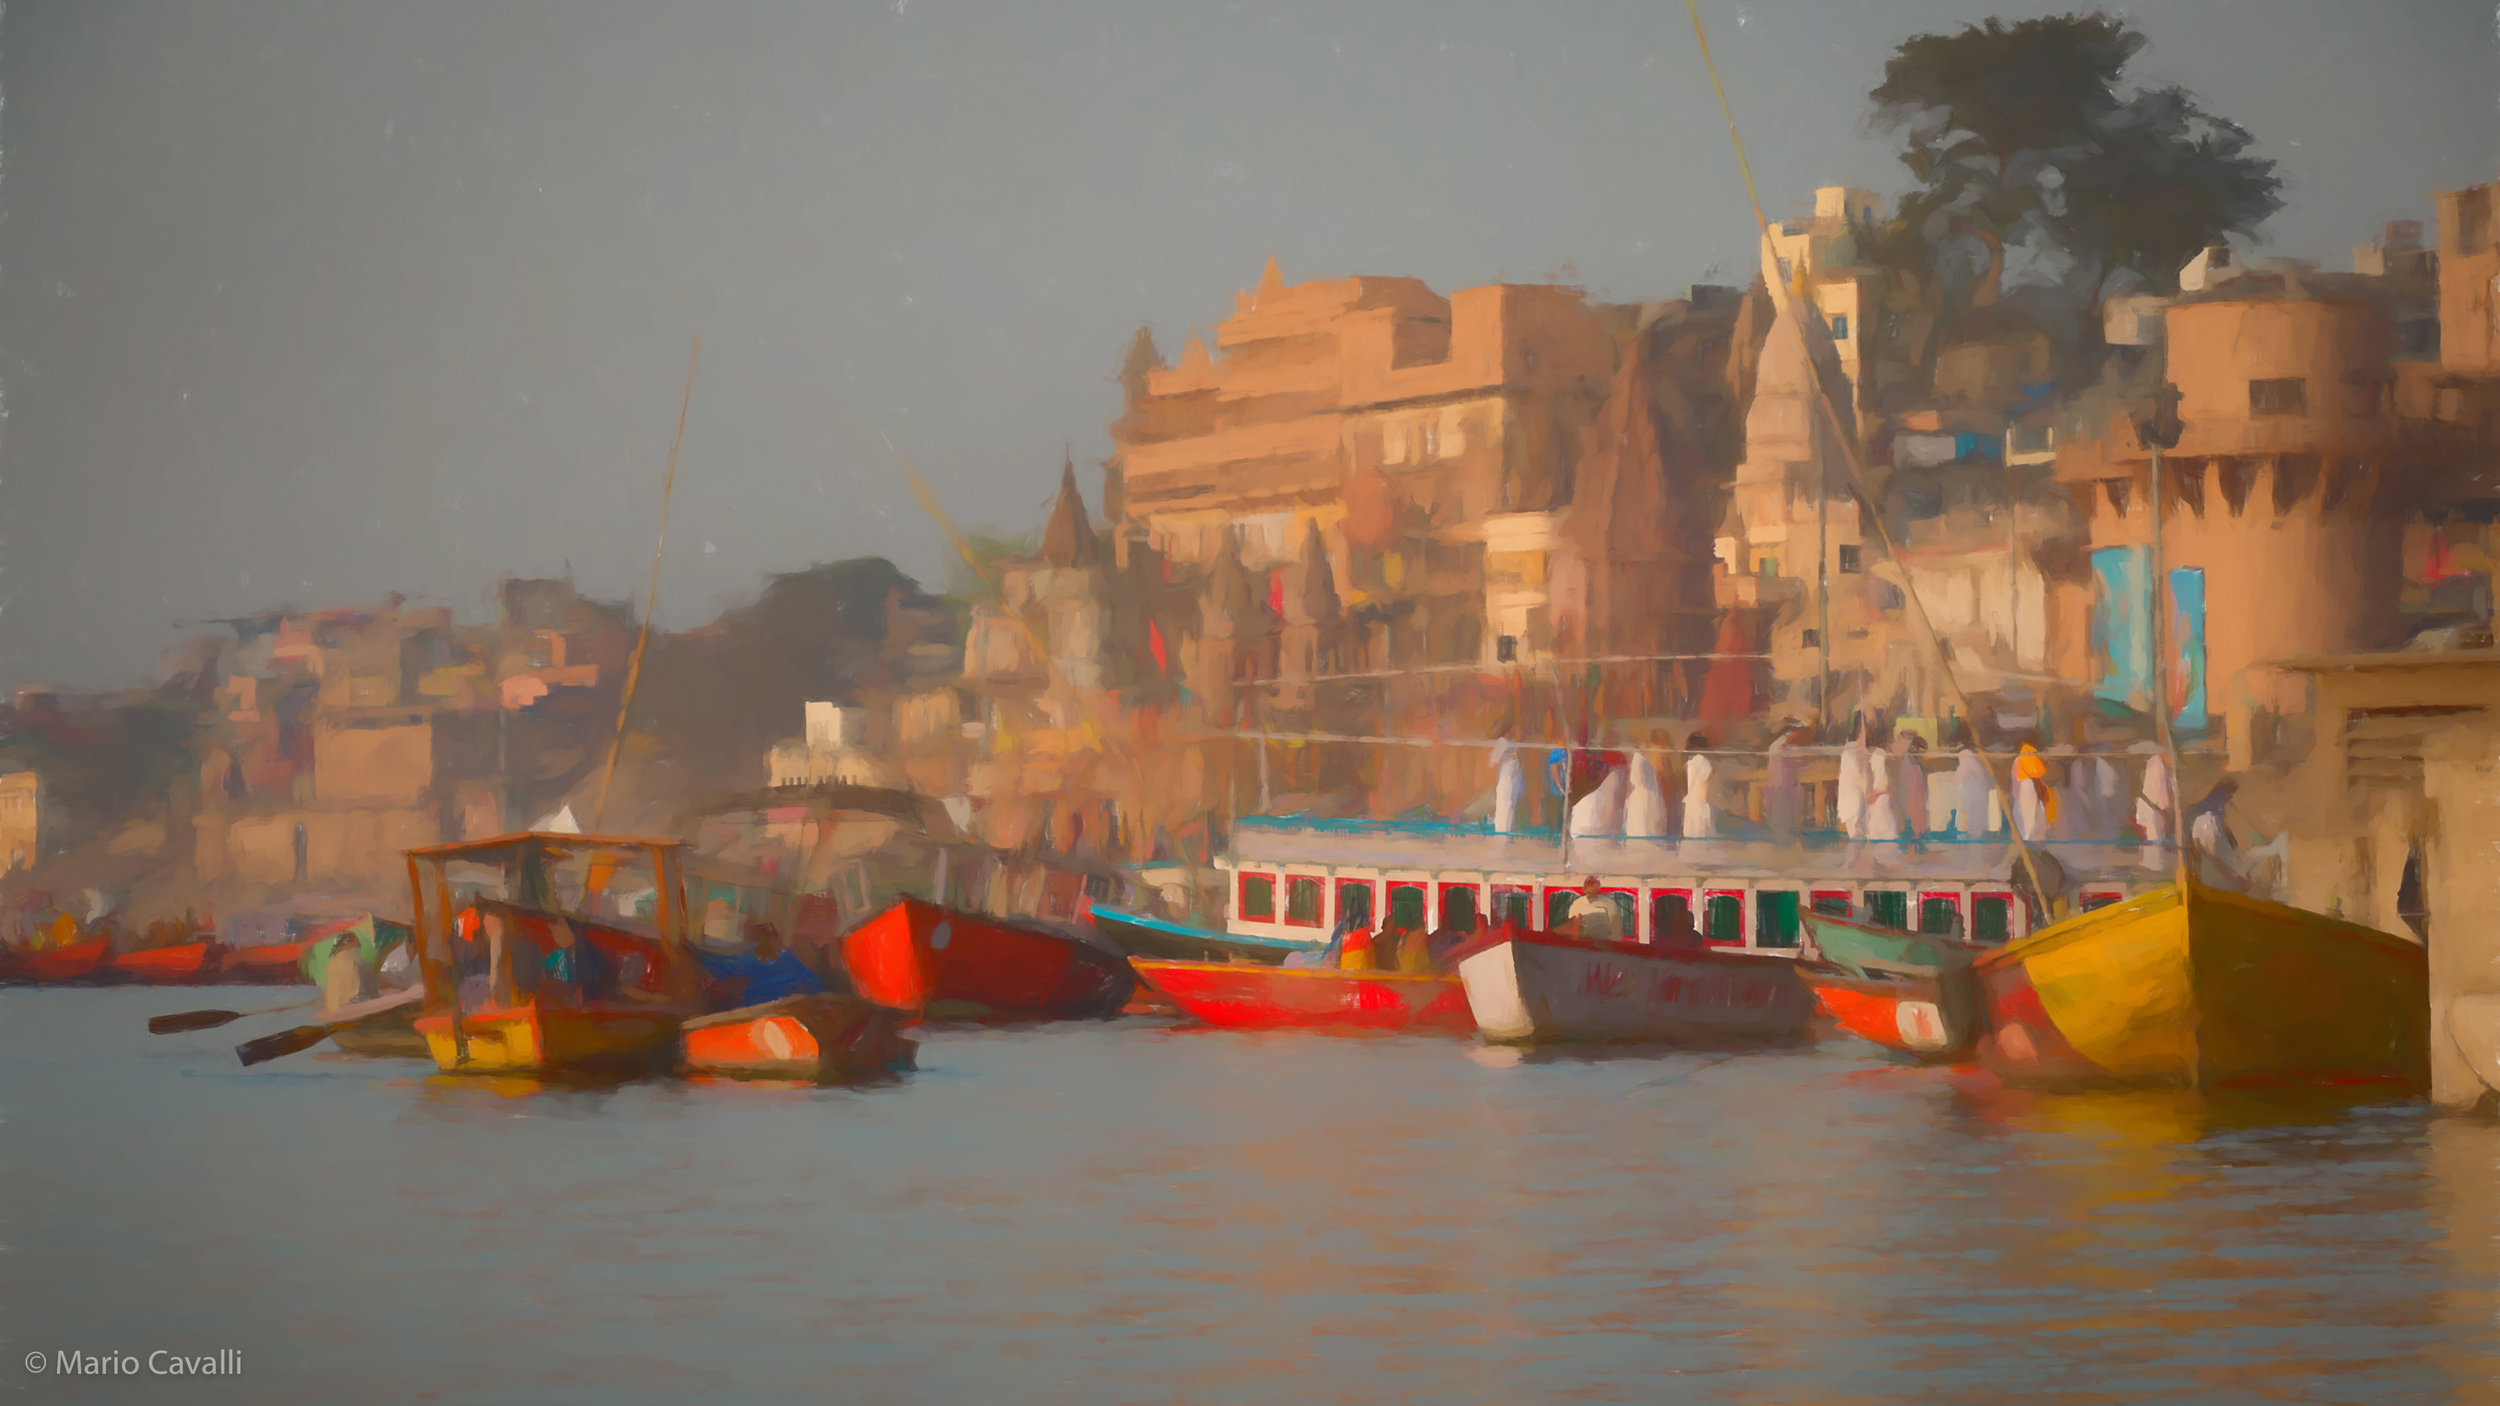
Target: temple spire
1068, 540
1271, 281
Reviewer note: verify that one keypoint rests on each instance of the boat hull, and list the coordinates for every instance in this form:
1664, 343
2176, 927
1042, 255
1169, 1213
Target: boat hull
1159, 940
534, 1038
274, 964
2206, 988
946, 963
817, 1037
1927, 1016
90, 960
1534, 989
186, 965
386, 1035
1246, 996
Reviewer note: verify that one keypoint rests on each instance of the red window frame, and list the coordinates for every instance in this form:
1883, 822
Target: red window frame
1493, 903
1441, 902
1284, 913
2101, 898
1649, 910
1743, 918
2013, 911
1241, 896
1848, 900
1371, 904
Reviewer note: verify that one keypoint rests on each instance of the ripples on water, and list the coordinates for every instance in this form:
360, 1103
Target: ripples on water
1134, 1211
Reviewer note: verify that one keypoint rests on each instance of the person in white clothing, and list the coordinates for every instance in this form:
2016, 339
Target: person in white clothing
1883, 807
1855, 781
1909, 786
2152, 810
1701, 820
1508, 786
1784, 791
1971, 794
1645, 808
1600, 812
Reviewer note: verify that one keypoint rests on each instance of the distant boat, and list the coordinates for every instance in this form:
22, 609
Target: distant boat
816, 1037
270, 964
1532, 988
1912, 993
1143, 935
2198, 986
184, 965
949, 964
77, 961
1248, 996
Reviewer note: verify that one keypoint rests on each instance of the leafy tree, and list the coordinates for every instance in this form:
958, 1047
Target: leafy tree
2024, 145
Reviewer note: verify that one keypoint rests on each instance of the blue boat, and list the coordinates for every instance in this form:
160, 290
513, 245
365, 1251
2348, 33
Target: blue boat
1142, 935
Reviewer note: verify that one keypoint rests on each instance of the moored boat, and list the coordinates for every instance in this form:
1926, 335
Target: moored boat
181, 965
949, 964
1529, 987
1912, 993
534, 1037
818, 1037
1243, 995
1144, 935
76, 961
2203, 987
270, 964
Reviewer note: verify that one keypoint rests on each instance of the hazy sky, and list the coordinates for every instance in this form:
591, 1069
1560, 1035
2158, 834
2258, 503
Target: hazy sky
303, 303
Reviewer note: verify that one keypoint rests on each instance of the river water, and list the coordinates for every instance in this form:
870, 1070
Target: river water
1135, 1211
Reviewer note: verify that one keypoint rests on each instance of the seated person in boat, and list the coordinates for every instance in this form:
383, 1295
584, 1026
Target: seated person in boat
1679, 931
573, 971
765, 974
343, 981
1355, 953
1592, 915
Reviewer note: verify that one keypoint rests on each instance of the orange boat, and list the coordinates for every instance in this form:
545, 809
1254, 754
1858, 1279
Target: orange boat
949, 964
1251, 996
185, 965
76, 961
819, 1037
1930, 1016
271, 964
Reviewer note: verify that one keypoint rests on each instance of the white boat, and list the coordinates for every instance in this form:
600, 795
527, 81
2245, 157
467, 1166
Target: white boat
1537, 988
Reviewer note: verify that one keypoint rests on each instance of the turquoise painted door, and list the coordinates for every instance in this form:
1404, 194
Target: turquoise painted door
2187, 637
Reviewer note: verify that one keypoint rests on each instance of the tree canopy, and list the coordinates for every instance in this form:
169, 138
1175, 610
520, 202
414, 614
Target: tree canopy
2023, 141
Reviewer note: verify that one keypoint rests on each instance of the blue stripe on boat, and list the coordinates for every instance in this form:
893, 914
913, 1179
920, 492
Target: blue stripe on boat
1137, 919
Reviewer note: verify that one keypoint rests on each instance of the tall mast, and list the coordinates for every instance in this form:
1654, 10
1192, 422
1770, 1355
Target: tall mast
2160, 430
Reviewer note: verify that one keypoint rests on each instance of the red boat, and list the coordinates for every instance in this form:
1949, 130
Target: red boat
272, 964
949, 964
1248, 996
819, 1037
78, 961
1929, 1016
169, 966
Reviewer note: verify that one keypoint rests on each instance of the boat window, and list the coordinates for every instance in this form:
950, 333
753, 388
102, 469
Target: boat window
1940, 915
1775, 917
1724, 918
1406, 906
1991, 918
1669, 914
1514, 906
1354, 902
1258, 898
1458, 907
1304, 898
1888, 909
1558, 908
1832, 905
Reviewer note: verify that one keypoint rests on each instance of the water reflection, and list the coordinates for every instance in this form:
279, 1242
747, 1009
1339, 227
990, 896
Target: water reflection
1137, 1211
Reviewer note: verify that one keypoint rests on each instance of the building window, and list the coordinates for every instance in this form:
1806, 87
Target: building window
1723, 918
1458, 907
1840, 327
1991, 919
1849, 564
1258, 898
1354, 902
1775, 917
1766, 566
1506, 649
2284, 395
1406, 906
1810, 639
1670, 914
1888, 908
1940, 915
1303, 902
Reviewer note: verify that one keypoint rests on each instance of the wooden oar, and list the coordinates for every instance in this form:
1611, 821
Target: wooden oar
181, 1021
304, 1037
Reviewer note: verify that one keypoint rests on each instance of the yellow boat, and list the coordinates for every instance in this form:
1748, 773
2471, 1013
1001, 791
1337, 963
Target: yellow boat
2202, 987
545, 953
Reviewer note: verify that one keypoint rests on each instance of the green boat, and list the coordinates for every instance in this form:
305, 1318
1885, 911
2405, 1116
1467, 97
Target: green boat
1865, 949
375, 937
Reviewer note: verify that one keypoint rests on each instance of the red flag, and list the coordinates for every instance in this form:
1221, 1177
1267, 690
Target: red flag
1276, 593
1154, 646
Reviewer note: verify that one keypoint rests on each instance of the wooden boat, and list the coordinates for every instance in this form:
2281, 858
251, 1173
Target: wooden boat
1529, 987
2202, 987
1912, 993
183, 965
1143, 935
627, 1020
77, 961
819, 1037
1250, 996
374, 935
390, 1034
271, 964
949, 964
